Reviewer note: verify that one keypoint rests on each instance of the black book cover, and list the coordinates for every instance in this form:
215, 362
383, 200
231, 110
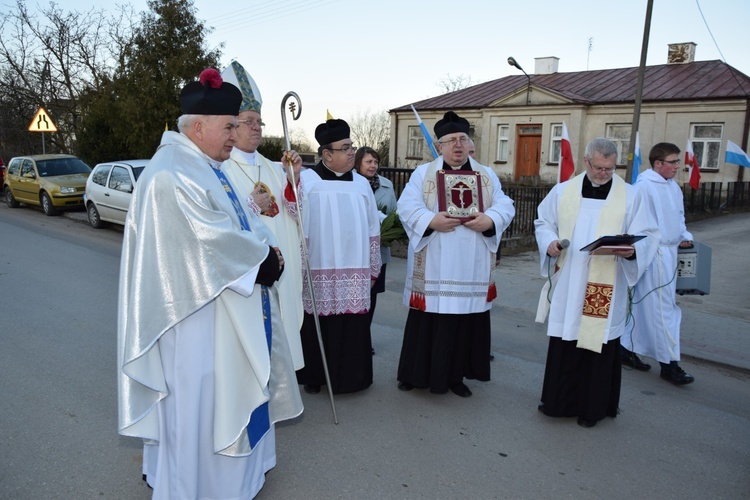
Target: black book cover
615, 240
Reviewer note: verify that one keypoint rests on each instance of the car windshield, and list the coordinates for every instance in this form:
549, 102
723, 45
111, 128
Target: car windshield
61, 166
137, 172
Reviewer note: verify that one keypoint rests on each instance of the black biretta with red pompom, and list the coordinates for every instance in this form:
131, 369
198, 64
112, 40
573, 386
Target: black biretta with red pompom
210, 96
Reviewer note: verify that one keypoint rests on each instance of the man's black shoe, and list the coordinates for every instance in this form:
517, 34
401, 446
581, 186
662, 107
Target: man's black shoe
675, 374
312, 389
492, 356
631, 359
586, 423
460, 389
405, 386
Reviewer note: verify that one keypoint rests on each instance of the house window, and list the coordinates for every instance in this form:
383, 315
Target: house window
619, 133
416, 143
502, 142
555, 142
706, 140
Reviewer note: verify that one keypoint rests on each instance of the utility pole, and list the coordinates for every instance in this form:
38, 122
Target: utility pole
639, 91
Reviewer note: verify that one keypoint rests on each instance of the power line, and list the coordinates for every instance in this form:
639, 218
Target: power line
265, 12
709, 31
724, 60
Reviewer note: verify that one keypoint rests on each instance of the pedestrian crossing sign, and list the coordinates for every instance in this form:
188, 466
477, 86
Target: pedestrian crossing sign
42, 122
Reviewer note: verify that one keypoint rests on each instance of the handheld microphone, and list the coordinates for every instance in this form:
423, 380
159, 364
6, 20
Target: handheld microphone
562, 244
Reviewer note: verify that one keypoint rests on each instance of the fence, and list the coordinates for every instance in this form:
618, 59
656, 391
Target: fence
526, 199
710, 199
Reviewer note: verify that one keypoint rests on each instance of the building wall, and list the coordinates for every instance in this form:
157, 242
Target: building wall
659, 122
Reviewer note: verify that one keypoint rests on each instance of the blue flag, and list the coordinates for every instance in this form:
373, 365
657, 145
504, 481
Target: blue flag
637, 161
735, 155
427, 136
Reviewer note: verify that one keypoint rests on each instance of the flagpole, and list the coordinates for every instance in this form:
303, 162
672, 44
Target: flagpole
295, 115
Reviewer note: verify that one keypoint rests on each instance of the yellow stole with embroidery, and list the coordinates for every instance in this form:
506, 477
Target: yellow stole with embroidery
602, 268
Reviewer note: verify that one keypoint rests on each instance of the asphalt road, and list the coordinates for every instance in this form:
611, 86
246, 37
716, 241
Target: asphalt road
58, 403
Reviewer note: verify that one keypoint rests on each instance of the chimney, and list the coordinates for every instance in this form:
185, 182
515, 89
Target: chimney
545, 65
681, 53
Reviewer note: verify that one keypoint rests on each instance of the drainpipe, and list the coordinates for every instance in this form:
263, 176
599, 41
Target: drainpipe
394, 139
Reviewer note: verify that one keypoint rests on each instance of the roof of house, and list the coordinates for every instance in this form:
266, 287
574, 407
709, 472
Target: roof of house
665, 82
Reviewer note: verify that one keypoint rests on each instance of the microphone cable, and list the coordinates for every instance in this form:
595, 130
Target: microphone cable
631, 303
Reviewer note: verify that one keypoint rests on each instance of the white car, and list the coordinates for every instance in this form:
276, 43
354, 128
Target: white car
109, 189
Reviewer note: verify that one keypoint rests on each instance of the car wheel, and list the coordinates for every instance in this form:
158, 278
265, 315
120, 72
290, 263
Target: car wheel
47, 207
10, 199
94, 218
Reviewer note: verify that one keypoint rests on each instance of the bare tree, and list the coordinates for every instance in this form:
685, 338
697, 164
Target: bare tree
373, 129
273, 146
298, 137
49, 59
452, 83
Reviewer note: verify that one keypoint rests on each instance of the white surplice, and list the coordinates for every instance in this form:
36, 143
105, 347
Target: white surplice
656, 329
568, 296
342, 227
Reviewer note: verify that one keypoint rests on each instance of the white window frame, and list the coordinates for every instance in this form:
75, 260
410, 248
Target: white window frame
702, 146
503, 132
555, 142
415, 148
622, 143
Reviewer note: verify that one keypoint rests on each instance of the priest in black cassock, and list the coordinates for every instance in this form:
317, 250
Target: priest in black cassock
342, 229
450, 269
586, 295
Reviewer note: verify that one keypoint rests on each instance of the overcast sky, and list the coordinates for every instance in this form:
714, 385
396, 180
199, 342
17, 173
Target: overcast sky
351, 56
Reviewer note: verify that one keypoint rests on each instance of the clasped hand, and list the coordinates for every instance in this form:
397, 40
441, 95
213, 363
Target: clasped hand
444, 223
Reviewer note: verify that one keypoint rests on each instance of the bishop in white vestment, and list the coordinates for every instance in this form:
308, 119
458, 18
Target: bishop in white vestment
265, 186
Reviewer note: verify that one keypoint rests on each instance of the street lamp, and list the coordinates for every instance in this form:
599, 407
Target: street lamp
515, 64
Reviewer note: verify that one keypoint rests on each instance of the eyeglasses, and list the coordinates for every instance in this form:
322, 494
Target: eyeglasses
453, 141
345, 149
600, 170
252, 123
671, 162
